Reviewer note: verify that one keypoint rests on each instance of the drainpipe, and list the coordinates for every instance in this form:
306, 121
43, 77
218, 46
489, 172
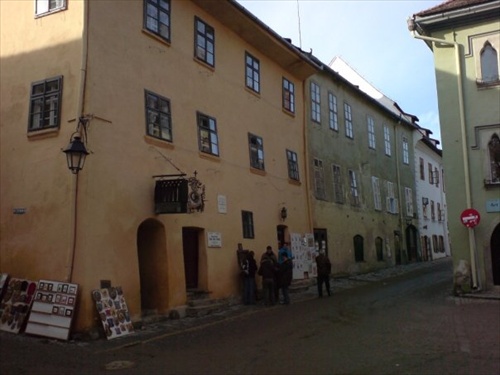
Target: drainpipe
400, 200
80, 110
306, 158
456, 45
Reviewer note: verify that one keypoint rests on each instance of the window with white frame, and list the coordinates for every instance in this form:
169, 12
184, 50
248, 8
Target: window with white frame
315, 102
354, 188
293, 165
288, 95
377, 197
406, 152
348, 121
158, 116
207, 135
204, 42
387, 140
338, 188
439, 211
433, 211
333, 119
319, 179
409, 201
494, 159
422, 169
45, 104
371, 132
157, 17
252, 73
430, 173
436, 177
49, 6
391, 200
256, 146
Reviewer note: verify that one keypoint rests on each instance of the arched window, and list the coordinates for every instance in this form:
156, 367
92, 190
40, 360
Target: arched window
494, 153
489, 64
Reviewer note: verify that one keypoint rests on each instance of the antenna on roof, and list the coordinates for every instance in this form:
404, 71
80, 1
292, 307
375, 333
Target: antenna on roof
298, 17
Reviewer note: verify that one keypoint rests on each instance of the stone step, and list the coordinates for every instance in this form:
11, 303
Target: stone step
205, 309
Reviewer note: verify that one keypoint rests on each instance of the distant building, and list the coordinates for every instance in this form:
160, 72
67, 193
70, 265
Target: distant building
464, 37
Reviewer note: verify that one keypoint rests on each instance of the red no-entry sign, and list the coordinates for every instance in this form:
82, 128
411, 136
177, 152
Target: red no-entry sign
470, 218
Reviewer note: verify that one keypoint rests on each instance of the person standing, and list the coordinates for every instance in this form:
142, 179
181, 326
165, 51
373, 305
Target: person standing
267, 269
284, 250
270, 254
285, 277
249, 270
324, 270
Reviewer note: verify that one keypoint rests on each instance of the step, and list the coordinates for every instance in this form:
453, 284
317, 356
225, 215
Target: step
205, 309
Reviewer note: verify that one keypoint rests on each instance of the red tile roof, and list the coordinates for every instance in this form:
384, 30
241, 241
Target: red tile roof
451, 5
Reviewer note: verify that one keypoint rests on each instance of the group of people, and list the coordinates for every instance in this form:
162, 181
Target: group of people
277, 274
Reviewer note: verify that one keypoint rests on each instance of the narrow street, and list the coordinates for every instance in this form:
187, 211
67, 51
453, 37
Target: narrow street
407, 324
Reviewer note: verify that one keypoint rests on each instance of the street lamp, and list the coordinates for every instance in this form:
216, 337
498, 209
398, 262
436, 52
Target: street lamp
75, 153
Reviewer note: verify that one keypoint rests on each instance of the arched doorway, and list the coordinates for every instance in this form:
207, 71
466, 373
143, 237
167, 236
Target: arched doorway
397, 246
359, 249
495, 255
379, 248
153, 273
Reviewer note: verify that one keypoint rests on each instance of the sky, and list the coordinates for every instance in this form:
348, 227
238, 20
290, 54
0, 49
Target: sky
371, 36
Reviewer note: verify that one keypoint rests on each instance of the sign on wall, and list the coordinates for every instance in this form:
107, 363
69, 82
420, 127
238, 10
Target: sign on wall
470, 218
304, 256
214, 239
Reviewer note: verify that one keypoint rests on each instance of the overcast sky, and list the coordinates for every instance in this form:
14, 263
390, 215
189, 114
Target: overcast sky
371, 36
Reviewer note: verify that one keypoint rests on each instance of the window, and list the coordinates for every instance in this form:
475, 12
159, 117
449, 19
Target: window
359, 248
45, 104
379, 247
332, 112
371, 132
436, 177
425, 203
288, 95
158, 117
247, 221
348, 121
315, 103
157, 17
49, 6
489, 64
494, 159
406, 153
387, 141
319, 179
377, 198
354, 188
433, 211
338, 188
256, 146
293, 166
439, 212
409, 201
391, 201
204, 44
431, 175
207, 135
252, 72
422, 169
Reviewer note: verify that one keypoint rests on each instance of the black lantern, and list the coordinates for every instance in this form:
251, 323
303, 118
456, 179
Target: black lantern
76, 154
283, 213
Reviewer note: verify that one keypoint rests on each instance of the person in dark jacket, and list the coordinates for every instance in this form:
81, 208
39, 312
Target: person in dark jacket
324, 269
267, 271
249, 270
285, 277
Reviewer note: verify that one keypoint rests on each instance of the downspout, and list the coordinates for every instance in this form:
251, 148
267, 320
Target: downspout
80, 110
306, 158
456, 45
398, 176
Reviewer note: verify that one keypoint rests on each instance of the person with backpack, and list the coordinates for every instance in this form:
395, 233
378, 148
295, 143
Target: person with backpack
324, 270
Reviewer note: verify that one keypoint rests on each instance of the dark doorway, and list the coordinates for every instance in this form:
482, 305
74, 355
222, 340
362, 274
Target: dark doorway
495, 255
359, 248
411, 243
321, 238
191, 257
379, 248
281, 234
153, 271
397, 247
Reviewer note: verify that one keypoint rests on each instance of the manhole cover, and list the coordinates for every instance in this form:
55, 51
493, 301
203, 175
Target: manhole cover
119, 365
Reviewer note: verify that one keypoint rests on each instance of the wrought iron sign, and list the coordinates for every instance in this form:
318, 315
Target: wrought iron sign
176, 194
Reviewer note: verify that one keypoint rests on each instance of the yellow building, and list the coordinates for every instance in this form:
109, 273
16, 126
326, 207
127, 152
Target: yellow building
153, 88
464, 37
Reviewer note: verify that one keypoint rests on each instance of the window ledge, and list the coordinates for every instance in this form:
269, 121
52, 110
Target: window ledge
204, 64
486, 84
260, 172
491, 184
294, 182
210, 157
158, 142
288, 112
43, 133
156, 37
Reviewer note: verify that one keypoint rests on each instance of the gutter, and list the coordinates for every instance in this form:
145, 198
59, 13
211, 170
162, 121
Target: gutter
472, 241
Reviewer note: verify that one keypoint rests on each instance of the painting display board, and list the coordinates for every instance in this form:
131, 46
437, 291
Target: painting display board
113, 312
304, 255
53, 309
16, 303
3, 284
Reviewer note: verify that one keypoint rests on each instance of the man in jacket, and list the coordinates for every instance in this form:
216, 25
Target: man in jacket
324, 270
